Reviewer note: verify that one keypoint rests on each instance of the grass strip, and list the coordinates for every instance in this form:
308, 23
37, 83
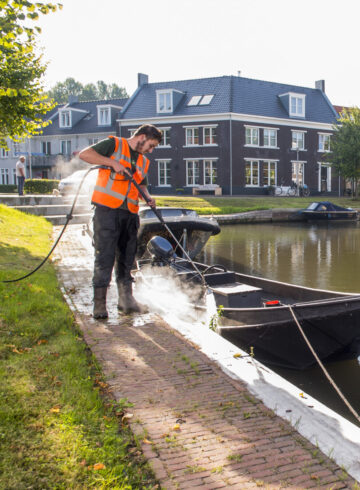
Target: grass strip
229, 205
59, 426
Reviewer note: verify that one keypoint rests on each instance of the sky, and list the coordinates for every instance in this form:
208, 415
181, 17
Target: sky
279, 41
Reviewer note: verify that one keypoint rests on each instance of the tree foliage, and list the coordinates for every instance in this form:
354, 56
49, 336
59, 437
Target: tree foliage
99, 91
22, 99
345, 147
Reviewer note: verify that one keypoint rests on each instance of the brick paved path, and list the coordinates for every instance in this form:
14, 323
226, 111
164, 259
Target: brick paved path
199, 428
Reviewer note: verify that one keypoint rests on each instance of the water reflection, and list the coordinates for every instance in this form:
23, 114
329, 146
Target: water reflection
324, 256
321, 256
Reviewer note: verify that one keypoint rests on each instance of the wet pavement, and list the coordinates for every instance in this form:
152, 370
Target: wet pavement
198, 426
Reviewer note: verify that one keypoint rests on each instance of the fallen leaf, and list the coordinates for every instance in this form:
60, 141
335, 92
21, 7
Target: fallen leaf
41, 358
127, 416
99, 466
55, 409
146, 441
302, 395
16, 351
237, 355
176, 427
42, 341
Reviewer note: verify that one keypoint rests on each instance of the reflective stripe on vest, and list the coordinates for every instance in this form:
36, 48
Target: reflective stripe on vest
111, 189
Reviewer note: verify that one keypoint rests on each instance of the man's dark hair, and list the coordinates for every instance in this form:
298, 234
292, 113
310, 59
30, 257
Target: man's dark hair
150, 131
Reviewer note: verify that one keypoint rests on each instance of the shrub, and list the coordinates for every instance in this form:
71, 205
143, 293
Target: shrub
40, 186
7, 188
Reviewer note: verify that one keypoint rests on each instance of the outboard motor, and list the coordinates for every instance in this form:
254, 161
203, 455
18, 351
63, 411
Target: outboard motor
160, 249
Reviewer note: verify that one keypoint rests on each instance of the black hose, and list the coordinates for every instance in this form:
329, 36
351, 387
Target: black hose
68, 218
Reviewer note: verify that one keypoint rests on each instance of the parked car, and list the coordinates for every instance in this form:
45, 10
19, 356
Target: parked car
70, 184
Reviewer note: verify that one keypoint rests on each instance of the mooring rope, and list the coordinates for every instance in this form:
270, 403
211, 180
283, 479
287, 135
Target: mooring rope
332, 382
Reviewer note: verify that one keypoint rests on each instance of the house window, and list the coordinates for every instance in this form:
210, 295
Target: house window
104, 116
65, 147
324, 142
164, 173
14, 176
164, 101
206, 99
298, 140
252, 136
191, 136
252, 173
269, 173
297, 105
65, 119
195, 99
209, 135
5, 176
297, 173
4, 153
46, 147
165, 141
210, 172
93, 141
192, 172
16, 149
270, 138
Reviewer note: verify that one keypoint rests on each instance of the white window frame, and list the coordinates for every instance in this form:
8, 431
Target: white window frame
254, 134
270, 131
206, 100
67, 146
269, 164
164, 165
323, 138
93, 141
211, 178
194, 163
165, 141
297, 105
190, 135
104, 115
4, 153
65, 118
298, 172
195, 99
212, 135
295, 140
5, 177
328, 177
164, 101
14, 176
47, 145
16, 149
254, 164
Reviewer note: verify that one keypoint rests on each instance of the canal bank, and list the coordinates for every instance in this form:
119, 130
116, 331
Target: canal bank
206, 415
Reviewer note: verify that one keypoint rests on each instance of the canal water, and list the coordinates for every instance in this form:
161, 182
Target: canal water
321, 255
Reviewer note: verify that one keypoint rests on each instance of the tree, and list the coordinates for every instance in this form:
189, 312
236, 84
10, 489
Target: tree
61, 91
22, 99
345, 147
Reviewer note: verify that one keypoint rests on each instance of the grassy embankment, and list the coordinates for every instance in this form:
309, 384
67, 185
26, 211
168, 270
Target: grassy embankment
228, 205
59, 428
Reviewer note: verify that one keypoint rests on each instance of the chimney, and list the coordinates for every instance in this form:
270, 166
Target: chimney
72, 99
142, 79
320, 85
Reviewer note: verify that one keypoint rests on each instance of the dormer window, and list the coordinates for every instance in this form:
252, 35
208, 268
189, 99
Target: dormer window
104, 118
65, 119
164, 101
297, 105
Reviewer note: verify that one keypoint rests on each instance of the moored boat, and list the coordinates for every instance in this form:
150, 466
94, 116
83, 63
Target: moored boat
190, 229
326, 210
256, 313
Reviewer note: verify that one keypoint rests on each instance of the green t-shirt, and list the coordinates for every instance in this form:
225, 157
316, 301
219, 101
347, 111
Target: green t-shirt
106, 148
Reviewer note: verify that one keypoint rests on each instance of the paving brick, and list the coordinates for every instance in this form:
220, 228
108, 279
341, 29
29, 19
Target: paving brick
143, 360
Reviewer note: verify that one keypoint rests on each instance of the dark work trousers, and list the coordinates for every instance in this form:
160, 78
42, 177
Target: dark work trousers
20, 185
115, 242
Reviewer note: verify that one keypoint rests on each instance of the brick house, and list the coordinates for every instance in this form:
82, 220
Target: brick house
237, 133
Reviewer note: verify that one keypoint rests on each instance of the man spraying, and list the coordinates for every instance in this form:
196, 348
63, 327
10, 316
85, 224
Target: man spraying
20, 175
116, 219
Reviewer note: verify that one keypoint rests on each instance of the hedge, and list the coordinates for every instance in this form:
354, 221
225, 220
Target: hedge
40, 186
7, 188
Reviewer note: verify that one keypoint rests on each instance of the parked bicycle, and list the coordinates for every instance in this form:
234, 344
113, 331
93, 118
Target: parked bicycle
283, 190
304, 190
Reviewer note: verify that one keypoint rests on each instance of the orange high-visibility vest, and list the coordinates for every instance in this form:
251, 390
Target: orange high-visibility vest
112, 189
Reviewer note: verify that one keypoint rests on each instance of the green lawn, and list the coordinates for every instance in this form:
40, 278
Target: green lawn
240, 204
59, 427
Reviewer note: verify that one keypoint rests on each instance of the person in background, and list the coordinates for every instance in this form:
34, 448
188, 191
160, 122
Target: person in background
116, 219
20, 175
